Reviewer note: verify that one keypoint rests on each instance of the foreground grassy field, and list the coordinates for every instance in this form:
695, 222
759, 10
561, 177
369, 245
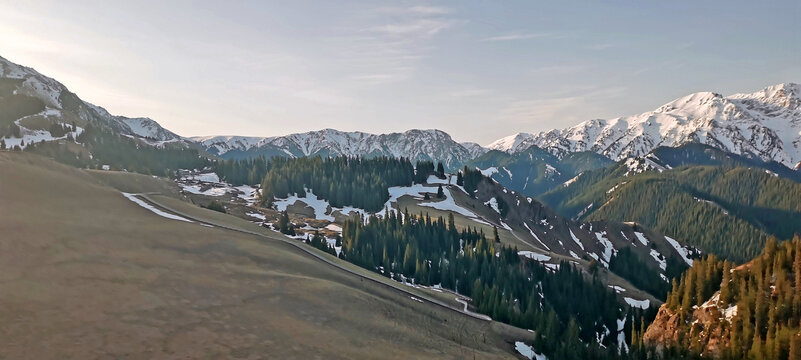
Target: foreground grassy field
86, 273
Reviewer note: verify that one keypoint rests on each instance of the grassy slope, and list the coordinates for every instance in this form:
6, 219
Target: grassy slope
86, 273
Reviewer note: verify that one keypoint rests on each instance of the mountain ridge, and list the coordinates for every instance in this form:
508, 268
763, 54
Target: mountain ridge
416, 144
765, 124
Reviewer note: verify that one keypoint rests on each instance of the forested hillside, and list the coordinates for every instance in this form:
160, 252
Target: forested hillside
721, 210
426, 251
751, 311
361, 183
98, 145
535, 171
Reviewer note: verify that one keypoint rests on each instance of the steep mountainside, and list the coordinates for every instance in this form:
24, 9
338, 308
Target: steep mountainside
751, 311
604, 243
535, 171
764, 125
729, 211
339, 186
40, 114
455, 243
432, 145
51, 102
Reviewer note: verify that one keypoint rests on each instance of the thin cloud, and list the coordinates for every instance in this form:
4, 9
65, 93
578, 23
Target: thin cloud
420, 28
469, 93
558, 108
418, 9
394, 43
518, 36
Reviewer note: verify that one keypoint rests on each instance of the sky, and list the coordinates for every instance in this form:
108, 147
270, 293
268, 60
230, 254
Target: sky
479, 70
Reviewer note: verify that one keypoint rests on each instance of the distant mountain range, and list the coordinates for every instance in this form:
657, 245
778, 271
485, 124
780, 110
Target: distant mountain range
764, 125
433, 145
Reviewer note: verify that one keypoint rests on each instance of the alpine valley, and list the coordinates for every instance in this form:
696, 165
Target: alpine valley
668, 234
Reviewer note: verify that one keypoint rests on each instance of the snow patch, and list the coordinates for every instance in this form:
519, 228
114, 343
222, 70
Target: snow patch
642, 238
493, 203
534, 256
488, 172
576, 240
659, 259
158, 212
642, 304
320, 206
527, 351
683, 252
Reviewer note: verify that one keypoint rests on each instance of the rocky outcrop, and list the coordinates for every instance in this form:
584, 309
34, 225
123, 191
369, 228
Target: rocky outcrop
702, 325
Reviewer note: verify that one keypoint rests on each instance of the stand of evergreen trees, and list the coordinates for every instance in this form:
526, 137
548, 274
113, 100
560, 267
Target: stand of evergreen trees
726, 211
361, 183
564, 307
767, 293
470, 178
626, 264
250, 171
120, 152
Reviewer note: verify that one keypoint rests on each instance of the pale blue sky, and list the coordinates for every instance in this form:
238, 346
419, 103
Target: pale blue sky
479, 70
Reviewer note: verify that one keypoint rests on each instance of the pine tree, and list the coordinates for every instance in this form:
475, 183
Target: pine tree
495, 234
795, 347
459, 179
451, 222
725, 285
440, 170
440, 192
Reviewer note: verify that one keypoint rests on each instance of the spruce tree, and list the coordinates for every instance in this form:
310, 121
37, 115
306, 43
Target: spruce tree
725, 285
440, 192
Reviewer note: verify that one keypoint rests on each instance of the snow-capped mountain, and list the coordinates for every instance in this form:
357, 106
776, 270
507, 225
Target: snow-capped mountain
415, 144
765, 125
51, 100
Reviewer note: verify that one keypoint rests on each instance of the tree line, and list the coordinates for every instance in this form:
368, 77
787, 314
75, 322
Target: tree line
565, 308
767, 296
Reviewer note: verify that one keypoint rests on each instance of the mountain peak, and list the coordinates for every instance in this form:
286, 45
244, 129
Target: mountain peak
415, 144
511, 143
765, 124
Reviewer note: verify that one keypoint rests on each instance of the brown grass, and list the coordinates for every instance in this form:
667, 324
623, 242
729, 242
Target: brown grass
85, 273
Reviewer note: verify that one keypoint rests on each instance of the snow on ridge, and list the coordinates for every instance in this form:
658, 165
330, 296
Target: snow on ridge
415, 144
683, 252
609, 248
576, 240
493, 203
488, 172
450, 205
643, 240
659, 259
535, 236
766, 123
511, 143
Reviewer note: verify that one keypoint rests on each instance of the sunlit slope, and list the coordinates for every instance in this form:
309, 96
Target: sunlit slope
86, 273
